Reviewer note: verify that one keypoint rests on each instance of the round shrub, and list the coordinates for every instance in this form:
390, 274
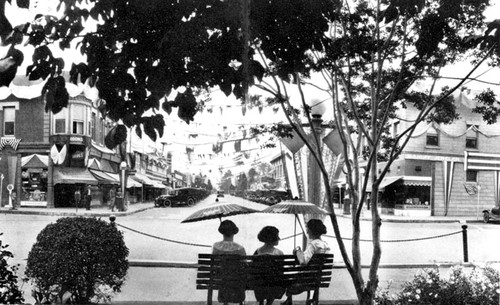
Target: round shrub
82, 259
9, 290
461, 287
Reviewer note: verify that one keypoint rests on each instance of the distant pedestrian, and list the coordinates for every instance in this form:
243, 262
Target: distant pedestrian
119, 200
78, 197
112, 198
88, 197
13, 197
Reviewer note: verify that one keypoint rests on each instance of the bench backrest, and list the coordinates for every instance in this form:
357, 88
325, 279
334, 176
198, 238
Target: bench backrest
219, 270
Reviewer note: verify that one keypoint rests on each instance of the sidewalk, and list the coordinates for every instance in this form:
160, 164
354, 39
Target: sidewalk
96, 211
413, 219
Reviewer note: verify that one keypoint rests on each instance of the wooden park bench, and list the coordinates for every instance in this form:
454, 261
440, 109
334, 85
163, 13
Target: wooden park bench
240, 273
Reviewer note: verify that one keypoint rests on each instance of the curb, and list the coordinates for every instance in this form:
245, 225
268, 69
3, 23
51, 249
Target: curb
415, 220
130, 212
88, 214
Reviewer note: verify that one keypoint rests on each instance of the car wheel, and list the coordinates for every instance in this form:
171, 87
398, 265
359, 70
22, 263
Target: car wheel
191, 202
167, 203
486, 217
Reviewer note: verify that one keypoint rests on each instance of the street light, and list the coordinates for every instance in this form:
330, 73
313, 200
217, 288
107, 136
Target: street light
318, 108
123, 168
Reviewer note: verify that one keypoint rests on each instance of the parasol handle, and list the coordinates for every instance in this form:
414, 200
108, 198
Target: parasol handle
294, 232
297, 217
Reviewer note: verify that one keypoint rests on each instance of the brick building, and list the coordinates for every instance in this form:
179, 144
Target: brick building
46, 157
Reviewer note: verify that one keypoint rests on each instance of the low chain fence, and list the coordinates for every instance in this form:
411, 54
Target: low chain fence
463, 232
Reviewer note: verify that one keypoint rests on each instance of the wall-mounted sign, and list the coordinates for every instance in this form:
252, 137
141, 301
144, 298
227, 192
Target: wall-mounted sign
74, 139
78, 155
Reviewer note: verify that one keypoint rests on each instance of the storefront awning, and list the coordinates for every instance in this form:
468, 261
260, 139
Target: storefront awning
133, 183
73, 175
406, 180
417, 181
104, 178
388, 181
35, 161
142, 179
158, 184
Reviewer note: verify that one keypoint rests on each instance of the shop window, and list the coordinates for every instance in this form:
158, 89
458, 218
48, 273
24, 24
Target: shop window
34, 184
77, 127
471, 176
471, 136
9, 118
432, 138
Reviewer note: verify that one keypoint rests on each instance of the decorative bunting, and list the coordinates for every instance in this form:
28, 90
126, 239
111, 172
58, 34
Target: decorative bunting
57, 156
13, 142
448, 169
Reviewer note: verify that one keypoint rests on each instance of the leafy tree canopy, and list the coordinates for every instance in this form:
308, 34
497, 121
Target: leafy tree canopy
138, 52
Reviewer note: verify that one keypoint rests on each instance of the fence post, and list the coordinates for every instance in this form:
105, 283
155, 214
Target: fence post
464, 239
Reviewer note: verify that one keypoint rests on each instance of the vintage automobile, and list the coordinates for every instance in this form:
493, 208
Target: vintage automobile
491, 215
182, 196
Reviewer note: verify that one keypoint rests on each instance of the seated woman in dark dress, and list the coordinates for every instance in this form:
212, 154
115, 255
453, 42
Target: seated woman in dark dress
227, 246
269, 235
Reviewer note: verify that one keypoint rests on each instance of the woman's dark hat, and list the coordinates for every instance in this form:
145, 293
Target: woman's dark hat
316, 227
269, 234
227, 227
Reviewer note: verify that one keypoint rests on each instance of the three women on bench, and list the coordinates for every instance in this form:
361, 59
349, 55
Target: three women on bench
270, 237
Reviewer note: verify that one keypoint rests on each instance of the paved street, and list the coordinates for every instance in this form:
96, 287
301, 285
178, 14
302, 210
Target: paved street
180, 242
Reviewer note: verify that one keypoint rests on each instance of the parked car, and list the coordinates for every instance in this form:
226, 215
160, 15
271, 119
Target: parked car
268, 197
220, 194
491, 215
182, 196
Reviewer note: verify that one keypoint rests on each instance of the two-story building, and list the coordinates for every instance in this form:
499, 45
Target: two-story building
445, 169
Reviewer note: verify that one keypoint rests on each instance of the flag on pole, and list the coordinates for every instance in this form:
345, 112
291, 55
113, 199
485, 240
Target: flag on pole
471, 189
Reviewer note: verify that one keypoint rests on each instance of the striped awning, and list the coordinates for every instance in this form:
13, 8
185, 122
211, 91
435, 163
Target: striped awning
133, 183
417, 181
73, 175
104, 178
405, 180
142, 179
35, 161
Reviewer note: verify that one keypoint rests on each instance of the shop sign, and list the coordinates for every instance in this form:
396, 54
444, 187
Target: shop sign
78, 155
74, 139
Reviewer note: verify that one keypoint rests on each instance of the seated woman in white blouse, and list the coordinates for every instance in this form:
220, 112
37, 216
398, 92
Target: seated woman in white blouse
315, 228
